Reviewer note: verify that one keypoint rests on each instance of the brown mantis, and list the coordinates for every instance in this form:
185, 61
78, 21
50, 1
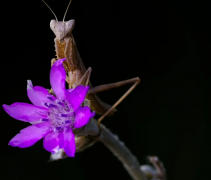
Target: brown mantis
76, 72
78, 75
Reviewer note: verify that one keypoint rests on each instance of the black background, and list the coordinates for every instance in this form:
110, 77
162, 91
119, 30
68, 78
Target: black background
167, 45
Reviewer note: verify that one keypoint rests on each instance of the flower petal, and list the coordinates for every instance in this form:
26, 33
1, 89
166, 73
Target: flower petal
25, 112
82, 116
69, 142
38, 95
30, 135
77, 95
57, 79
51, 142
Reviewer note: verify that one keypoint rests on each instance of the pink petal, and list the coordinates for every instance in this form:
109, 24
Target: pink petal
77, 95
57, 79
25, 112
51, 142
30, 135
82, 116
38, 95
69, 143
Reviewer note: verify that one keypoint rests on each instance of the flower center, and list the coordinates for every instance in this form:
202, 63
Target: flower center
61, 114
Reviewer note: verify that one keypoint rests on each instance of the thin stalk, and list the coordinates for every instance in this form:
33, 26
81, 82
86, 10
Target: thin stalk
117, 147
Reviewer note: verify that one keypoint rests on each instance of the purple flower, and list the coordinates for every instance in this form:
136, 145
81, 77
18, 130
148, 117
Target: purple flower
53, 118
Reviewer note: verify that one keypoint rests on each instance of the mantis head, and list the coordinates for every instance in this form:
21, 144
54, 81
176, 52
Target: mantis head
62, 28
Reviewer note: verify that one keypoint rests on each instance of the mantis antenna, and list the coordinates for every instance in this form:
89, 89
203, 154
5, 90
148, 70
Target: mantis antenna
66, 10
51, 10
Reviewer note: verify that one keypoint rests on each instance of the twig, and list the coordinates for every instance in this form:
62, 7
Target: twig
116, 146
119, 149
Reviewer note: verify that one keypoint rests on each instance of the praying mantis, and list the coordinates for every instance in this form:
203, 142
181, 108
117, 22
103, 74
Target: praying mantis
77, 74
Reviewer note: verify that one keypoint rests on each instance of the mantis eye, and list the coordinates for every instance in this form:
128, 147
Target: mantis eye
53, 24
70, 25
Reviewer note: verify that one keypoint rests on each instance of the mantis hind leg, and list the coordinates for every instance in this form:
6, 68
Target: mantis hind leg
105, 87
